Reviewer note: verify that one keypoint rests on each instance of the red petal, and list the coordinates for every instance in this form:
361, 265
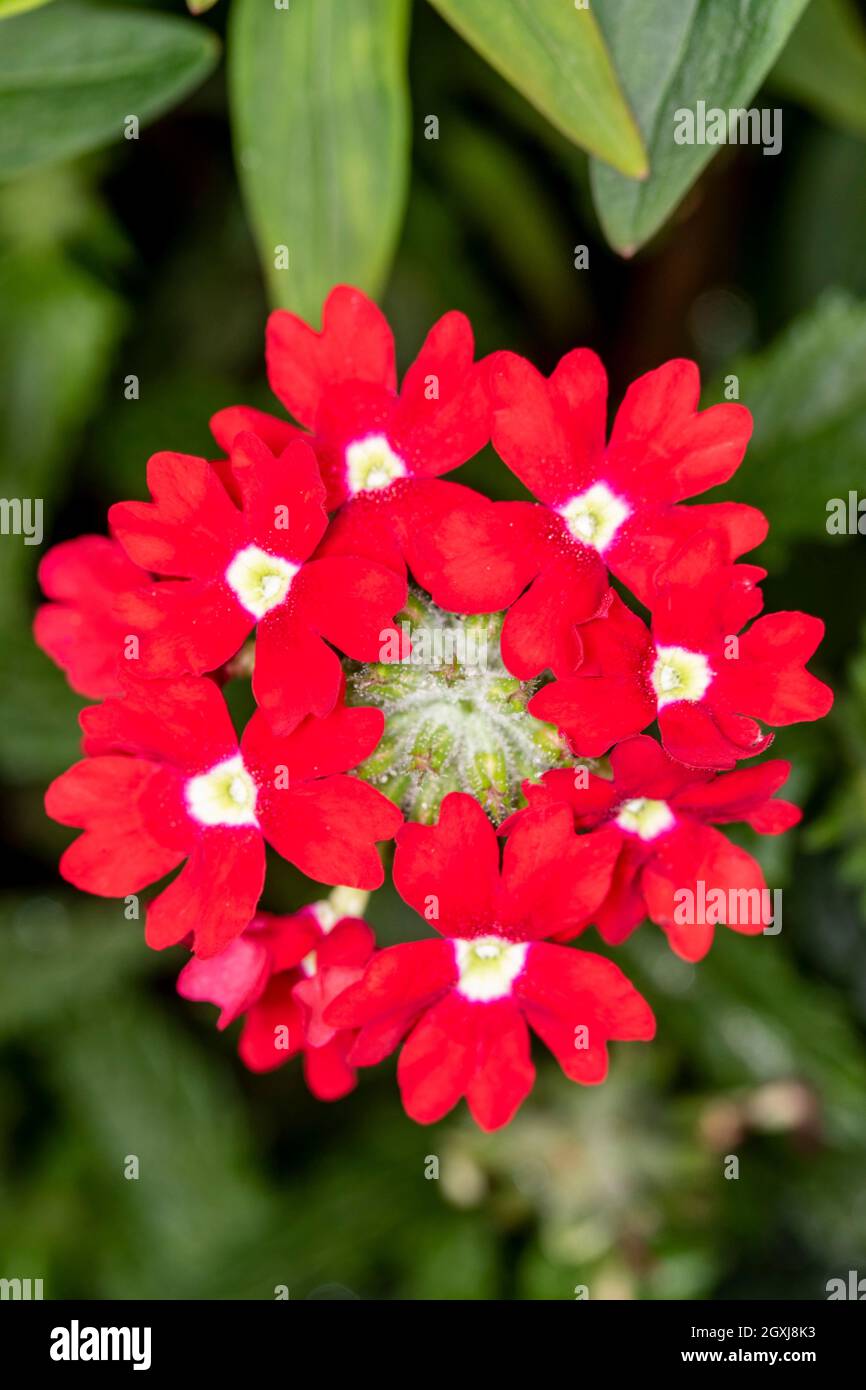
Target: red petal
594, 711
122, 849
744, 795
233, 980
275, 1012
350, 602
773, 684
214, 896
316, 748
642, 768
661, 447
183, 722
397, 984
503, 1074
434, 433
184, 625
365, 528
578, 988
236, 419
329, 829
296, 674
190, 530
355, 344
702, 855
540, 630
326, 1070
438, 1059
652, 535
81, 632
480, 555
691, 733
552, 878
282, 497
449, 872
550, 434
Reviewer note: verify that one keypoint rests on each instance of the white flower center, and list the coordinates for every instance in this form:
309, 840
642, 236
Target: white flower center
488, 966
371, 464
679, 674
259, 580
595, 516
645, 818
226, 795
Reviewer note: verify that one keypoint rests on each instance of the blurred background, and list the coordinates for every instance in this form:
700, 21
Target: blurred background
138, 259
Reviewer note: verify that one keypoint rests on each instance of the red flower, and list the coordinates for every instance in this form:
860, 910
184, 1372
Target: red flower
706, 685
604, 507
167, 781
673, 866
380, 451
281, 974
248, 566
468, 999
82, 630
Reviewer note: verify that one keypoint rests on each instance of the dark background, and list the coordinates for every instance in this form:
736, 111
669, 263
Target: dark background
139, 260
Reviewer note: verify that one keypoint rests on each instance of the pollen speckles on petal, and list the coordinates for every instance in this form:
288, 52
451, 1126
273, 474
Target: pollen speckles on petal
371, 464
595, 516
225, 795
259, 580
645, 818
488, 966
679, 674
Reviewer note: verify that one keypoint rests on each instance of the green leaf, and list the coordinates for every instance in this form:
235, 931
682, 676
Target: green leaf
139, 1085
556, 56
823, 64
671, 54
10, 7
58, 327
320, 115
72, 74
61, 953
807, 394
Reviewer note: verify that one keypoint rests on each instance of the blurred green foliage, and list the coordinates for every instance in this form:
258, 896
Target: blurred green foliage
139, 261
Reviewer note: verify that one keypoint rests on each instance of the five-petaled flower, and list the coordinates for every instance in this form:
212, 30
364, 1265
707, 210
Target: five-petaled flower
248, 565
381, 451
662, 816
166, 781
704, 680
466, 1000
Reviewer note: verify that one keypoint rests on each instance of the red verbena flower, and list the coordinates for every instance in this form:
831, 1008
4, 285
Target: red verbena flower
81, 629
380, 450
280, 975
526, 656
242, 566
671, 860
166, 781
468, 999
705, 681
611, 506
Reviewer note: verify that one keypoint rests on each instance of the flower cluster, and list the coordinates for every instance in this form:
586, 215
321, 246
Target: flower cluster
431, 667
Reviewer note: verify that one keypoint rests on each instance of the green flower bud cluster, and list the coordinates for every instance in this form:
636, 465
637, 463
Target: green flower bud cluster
455, 718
